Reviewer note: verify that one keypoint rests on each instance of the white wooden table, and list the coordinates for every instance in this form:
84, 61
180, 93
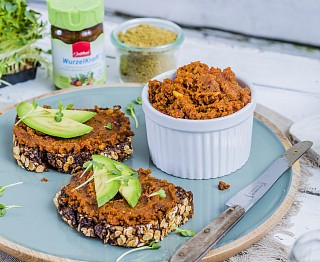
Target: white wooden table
286, 78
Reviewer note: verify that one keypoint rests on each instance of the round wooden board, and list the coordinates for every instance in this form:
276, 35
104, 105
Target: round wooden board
218, 254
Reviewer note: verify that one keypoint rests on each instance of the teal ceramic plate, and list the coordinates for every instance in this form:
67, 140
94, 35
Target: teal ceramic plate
38, 227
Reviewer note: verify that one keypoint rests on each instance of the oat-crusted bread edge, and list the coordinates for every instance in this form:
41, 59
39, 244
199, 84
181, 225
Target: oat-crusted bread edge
130, 236
33, 159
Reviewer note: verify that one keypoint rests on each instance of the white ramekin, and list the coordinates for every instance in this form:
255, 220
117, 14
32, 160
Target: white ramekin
199, 149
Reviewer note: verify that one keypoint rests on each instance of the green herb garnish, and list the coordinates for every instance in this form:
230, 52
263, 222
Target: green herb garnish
58, 116
160, 192
108, 126
152, 245
34, 107
185, 232
3, 209
123, 178
139, 100
89, 166
130, 111
2, 188
20, 28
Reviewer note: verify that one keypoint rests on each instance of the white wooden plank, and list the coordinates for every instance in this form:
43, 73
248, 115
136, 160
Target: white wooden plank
290, 20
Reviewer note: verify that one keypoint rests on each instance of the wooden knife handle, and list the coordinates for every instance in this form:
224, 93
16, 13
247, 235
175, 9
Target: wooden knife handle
200, 244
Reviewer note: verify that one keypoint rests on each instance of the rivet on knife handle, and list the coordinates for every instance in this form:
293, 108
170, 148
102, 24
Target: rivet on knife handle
198, 245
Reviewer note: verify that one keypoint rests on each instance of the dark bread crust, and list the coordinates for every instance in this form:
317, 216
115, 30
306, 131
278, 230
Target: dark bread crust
35, 156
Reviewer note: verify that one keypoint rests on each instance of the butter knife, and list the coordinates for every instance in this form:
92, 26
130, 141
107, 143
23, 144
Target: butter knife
238, 205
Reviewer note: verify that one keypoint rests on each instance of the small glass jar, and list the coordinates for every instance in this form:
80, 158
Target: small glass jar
140, 64
78, 48
306, 248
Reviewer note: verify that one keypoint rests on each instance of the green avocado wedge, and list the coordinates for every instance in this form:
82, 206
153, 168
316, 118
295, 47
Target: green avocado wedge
105, 191
42, 120
131, 191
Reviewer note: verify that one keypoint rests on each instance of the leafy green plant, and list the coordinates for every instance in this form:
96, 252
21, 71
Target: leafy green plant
20, 28
58, 116
152, 245
121, 177
185, 232
160, 192
3, 209
108, 126
139, 100
130, 111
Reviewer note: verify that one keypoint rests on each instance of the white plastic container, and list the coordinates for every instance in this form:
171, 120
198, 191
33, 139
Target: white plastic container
199, 149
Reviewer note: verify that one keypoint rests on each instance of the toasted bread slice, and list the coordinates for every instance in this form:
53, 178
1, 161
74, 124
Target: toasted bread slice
38, 152
115, 222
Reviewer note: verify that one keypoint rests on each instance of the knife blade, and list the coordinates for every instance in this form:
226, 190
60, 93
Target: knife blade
238, 205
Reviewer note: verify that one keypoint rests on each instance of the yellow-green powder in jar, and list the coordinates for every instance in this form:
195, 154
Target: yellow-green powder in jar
145, 35
140, 66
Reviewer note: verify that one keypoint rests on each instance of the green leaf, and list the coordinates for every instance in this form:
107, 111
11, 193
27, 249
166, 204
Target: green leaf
34, 104
134, 175
69, 106
60, 105
115, 172
119, 167
3, 212
186, 232
160, 192
130, 111
58, 116
86, 164
139, 100
11, 8
125, 180
30, 16
108, 126
154, 245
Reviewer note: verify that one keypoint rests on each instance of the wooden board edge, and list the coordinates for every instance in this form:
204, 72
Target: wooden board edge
27, 254
234, 247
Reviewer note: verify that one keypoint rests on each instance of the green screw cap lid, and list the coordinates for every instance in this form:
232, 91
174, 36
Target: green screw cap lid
75, 15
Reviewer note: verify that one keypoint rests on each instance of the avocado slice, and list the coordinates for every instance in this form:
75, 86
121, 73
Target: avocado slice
131, 192
80, 116
105, 191
43, 121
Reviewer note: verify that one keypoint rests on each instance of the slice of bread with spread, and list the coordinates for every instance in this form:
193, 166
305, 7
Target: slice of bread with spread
118, 223
110, 136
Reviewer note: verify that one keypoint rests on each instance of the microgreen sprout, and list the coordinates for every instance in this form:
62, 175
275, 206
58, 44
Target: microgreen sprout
152, 245
2, 188
139, 100
34, 107
20, 28
123, 178
160, 192
108, 126
3, 209
89, 166
185, 232
58, 116
130, 111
